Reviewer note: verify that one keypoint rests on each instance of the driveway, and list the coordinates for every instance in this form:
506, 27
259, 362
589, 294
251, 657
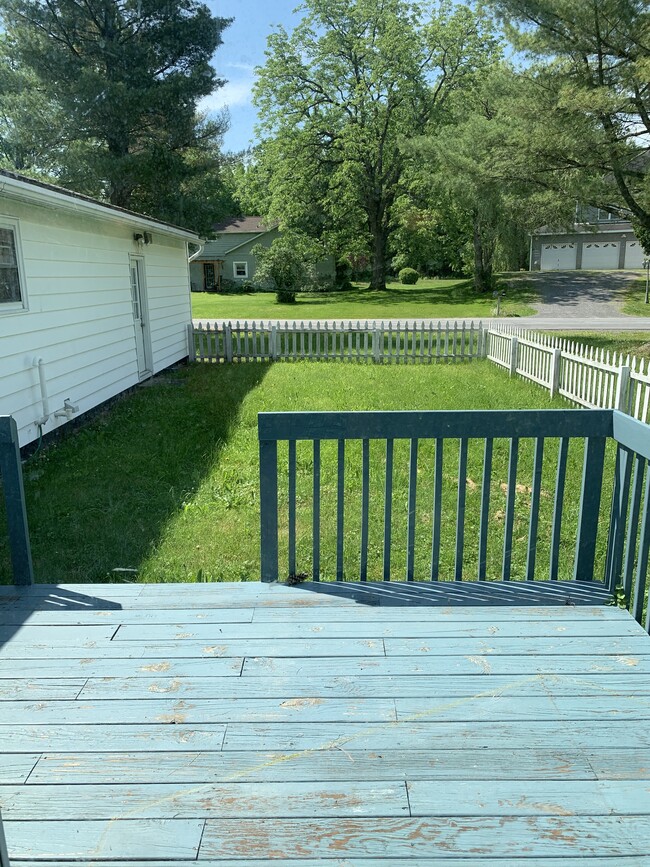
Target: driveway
580, 294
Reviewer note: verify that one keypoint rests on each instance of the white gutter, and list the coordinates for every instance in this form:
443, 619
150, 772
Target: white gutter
45, 197
201, 246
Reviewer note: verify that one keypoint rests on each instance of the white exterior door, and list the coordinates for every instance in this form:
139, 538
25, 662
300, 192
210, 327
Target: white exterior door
634, 255
140, 317
558, 257
600, 255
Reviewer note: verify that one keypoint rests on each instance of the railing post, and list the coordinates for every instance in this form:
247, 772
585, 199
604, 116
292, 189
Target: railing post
228, 341
191, 346
556, 362
269, 510
4, 854
623, 388
12, 482
514, 352
376, 337
274, 342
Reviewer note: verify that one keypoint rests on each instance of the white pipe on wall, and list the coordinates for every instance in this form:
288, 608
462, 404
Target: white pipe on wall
40, 364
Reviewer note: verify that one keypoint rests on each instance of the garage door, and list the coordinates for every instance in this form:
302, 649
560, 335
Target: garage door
634, 255
558, 257
600, 255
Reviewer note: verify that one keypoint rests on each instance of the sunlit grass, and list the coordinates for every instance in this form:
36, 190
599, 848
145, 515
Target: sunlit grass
428, 299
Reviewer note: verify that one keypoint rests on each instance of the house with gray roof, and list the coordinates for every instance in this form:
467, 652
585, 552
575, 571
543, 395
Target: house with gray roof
228, 256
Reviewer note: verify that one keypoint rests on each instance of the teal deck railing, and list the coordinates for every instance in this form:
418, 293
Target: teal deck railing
14, 496
543, 495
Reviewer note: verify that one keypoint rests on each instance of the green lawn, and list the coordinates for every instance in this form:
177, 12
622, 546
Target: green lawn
634, 304
428, 299
165, 483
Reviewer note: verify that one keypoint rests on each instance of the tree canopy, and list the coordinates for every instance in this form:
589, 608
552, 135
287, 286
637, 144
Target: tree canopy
339, 95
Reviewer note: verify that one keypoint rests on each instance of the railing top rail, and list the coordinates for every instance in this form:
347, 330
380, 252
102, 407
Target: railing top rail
435, 424
631, 433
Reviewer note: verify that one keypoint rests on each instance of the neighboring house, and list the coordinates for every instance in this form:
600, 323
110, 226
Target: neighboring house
228, 256
93, 299
600, 242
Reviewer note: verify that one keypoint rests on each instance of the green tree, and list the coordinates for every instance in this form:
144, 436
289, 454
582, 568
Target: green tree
469, 163
585, 121
127, 76
337, 97
289, 264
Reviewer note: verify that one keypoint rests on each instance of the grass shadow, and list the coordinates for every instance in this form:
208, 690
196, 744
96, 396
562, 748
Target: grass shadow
99, 501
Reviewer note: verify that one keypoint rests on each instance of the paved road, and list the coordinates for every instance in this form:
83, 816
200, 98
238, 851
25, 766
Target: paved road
571, 301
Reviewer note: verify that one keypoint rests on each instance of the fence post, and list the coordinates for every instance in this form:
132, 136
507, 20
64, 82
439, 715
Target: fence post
556, 361
623, 388
191, 346
12, 482
274, 342
228, 340
514, 352
376, 337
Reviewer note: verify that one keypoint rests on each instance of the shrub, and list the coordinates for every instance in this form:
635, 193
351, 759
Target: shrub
408, 276
285, 296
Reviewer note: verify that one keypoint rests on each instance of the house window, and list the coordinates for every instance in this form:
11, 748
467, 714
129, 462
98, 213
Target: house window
605, 216
12, 292
240, 270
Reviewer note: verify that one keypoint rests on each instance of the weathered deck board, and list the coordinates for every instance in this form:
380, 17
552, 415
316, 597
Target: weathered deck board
137, 838
377, 686
500, 837
205, 800
334, 765
263, 726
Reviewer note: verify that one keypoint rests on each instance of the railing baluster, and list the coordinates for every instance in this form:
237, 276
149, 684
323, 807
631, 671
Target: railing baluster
558, 507
534, 509
485, 509
315, 533
388, 508
292, 508
592, 481
410, 533
642, 564
510, 508
365, 505
340, 506
14, 496
460, 511
618, 517
633, 524
437, 511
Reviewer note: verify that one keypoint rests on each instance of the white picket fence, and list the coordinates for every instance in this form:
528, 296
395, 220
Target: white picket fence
391, 343
584, 374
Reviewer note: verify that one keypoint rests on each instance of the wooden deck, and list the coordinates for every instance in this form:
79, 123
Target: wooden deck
249, 724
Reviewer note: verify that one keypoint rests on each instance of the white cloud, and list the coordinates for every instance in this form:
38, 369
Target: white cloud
232, 94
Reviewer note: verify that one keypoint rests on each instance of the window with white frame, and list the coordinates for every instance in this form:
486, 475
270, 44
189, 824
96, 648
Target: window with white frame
240, 270
12, 289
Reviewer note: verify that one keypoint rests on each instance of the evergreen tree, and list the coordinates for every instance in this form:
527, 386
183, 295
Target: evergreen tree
127, 76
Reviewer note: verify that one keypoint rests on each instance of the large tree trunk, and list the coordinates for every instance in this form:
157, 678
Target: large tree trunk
482, 258
379, 237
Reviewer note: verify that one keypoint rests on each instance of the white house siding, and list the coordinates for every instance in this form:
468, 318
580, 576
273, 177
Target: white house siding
79, 316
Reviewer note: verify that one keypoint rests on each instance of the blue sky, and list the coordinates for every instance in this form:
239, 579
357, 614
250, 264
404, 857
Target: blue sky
243, 49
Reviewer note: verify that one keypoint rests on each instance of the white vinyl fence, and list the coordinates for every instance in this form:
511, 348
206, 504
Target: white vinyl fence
348, 341
584, 374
